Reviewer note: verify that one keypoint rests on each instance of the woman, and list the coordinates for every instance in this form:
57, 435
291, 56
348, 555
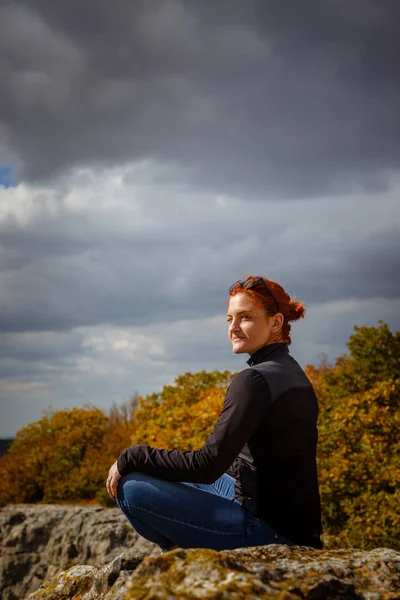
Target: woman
254, 481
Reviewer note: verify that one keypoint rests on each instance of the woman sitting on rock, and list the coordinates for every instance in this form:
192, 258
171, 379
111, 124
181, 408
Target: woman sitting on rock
254, 481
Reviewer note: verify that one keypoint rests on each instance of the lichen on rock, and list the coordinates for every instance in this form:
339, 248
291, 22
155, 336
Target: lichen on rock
272, 571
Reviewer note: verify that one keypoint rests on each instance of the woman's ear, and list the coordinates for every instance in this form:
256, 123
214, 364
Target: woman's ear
278, 322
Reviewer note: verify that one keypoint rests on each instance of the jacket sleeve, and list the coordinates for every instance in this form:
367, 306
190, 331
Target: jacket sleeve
246, 403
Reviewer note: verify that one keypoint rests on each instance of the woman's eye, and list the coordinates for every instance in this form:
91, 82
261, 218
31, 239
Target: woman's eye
245, 316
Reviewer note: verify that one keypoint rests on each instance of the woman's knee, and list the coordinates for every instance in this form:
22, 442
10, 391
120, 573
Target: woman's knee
134, 487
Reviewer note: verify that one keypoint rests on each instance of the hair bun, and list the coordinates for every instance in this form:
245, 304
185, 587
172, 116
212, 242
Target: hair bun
296, 310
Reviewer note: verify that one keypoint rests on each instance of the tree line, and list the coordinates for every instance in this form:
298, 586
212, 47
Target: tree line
66, 455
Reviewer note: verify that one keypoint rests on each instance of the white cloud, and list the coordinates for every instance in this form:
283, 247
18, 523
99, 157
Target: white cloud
23, 204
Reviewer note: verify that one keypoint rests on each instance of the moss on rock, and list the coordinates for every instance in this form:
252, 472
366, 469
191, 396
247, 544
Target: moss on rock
275, 571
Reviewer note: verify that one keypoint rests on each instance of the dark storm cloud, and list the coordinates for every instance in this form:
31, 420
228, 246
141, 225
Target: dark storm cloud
260, 98
29, 347
114, 277
103, 267
365, 268
39, 357
376, 264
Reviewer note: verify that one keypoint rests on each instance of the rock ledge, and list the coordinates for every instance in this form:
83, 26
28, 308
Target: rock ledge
39, 541
274, 571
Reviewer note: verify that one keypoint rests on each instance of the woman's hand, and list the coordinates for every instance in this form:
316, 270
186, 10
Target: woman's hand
112, 481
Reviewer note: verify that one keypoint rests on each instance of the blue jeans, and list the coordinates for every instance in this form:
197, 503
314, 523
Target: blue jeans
191, 515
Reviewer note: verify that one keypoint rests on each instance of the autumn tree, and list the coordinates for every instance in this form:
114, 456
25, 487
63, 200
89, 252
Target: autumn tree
120, 419
55, 458
374, 355
359, 443
66, 455
183, 414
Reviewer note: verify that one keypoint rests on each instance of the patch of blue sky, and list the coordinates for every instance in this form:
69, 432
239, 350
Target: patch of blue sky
6, 177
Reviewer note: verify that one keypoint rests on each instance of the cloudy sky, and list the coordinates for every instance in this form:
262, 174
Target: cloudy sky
154, 152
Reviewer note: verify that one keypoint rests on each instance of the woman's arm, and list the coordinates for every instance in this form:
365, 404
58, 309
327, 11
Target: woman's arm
246, 402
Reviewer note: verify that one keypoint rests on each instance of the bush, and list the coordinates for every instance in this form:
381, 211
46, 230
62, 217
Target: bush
55, 458
359, 444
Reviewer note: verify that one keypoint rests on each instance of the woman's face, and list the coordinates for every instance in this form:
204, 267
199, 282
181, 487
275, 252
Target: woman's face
249, 325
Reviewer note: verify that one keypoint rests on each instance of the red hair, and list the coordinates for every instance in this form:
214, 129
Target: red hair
289, 307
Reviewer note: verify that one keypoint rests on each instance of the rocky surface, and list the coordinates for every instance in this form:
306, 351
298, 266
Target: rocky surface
39, 541
81, 553
278, 572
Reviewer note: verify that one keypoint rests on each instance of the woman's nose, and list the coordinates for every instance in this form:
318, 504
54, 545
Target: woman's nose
234, 325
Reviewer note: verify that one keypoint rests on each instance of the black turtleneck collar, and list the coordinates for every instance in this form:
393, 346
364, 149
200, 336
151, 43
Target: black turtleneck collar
267, 352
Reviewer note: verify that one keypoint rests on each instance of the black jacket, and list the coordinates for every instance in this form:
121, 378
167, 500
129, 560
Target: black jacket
266, 438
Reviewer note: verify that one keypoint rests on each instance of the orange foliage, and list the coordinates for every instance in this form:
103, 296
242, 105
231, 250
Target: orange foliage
52, 459
66, 455
359, 444
174, 424
182, 415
